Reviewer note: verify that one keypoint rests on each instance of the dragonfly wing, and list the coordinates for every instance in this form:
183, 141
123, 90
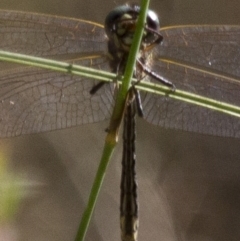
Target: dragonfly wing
203, 60
36, 100
49, 36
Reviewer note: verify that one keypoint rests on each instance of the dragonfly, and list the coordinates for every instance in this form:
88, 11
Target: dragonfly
120, 25
200, 59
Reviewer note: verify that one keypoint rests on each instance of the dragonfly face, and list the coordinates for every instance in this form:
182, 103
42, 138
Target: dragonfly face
120, 26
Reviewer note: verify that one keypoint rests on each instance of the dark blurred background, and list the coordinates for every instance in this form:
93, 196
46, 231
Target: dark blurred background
189, 187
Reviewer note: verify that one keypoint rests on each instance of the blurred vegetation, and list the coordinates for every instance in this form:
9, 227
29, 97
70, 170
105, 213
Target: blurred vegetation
11, 191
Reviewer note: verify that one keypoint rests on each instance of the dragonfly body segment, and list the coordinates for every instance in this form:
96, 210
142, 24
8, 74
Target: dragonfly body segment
128, 202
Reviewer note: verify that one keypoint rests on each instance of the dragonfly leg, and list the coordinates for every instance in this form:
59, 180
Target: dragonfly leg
138, 101
155, 76
96, 87
158, 40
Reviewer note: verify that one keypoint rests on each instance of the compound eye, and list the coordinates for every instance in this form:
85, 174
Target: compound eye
153, 26
153, 20
113, 16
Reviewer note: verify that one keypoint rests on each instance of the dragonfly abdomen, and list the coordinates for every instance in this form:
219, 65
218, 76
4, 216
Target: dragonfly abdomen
129, 204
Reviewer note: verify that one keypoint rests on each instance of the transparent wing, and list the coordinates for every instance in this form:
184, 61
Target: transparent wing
50, 36
203, 60
34, 100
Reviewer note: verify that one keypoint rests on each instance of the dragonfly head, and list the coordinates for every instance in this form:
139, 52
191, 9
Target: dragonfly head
120, 25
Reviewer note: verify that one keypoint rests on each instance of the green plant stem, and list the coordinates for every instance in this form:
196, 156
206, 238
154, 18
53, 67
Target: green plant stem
108, 77
188, 97
55, 65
